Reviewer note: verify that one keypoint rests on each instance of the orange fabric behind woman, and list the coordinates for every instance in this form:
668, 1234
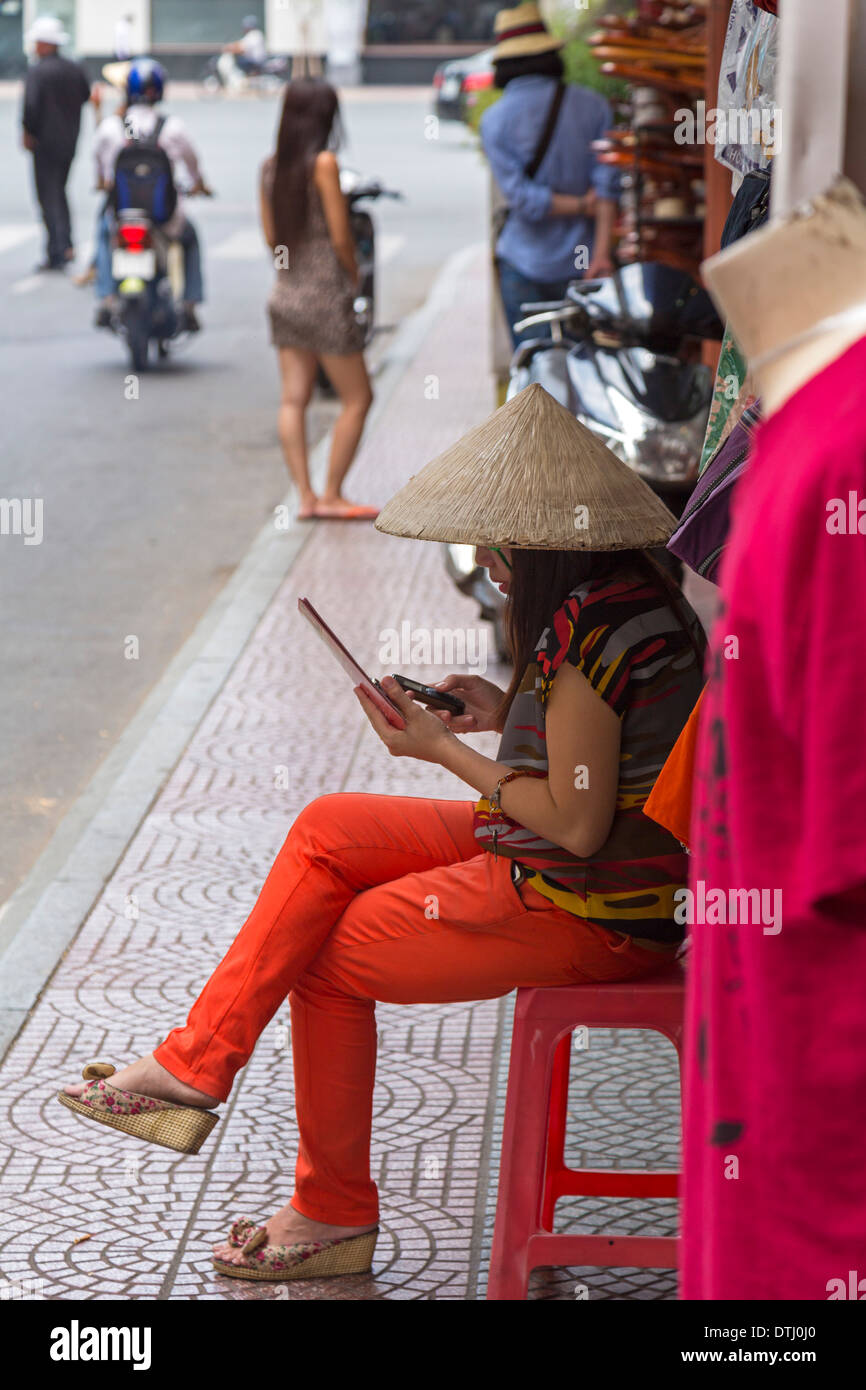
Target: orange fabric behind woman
670, 801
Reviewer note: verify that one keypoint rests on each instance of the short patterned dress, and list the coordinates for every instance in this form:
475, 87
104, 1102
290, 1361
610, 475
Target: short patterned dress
312, 302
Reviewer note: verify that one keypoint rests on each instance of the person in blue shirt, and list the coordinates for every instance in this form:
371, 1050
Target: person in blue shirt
560, 222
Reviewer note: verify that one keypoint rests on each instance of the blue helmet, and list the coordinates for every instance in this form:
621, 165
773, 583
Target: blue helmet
145, 82
249, 22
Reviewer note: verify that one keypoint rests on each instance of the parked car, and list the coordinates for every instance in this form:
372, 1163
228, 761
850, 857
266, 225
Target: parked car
456, 84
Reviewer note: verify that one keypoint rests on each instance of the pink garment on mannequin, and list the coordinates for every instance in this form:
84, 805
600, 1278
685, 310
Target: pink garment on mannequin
774, 1204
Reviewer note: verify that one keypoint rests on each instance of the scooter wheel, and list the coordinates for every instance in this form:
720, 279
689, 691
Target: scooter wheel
135, 325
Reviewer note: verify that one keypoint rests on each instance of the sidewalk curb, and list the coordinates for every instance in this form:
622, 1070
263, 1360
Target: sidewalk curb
45, 913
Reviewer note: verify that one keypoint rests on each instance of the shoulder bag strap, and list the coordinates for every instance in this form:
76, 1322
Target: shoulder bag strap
502, 214
547, 134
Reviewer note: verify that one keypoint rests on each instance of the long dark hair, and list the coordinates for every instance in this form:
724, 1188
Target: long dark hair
541, 581
309, 123
531, 64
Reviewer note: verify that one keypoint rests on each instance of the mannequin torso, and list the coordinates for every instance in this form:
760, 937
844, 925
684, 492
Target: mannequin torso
785, 280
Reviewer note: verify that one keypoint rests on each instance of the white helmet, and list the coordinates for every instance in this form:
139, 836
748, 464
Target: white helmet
47, 29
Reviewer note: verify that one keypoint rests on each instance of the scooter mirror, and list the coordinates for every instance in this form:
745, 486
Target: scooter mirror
578, 289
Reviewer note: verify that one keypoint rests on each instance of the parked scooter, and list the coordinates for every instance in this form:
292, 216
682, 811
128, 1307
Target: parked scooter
624, 357
148, 272
359, 190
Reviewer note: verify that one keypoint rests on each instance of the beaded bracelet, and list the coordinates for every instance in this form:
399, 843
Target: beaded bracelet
494, 801
495, 798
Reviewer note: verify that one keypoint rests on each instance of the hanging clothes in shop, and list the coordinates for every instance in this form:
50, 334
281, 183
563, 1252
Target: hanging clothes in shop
702, 533
734, 400
774, 1204
746, 102
745, 144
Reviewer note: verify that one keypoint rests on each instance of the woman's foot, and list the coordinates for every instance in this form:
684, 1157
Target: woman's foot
341, 509
307, 507
289, 1227
147, 1078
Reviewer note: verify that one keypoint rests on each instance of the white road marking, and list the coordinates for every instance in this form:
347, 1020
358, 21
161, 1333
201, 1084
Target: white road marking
247, 244
14, 233
27, 285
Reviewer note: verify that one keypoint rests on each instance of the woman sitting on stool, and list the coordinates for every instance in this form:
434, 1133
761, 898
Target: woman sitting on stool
554, 877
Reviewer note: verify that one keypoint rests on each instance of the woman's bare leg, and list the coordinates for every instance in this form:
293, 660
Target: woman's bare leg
350, 380
298, 373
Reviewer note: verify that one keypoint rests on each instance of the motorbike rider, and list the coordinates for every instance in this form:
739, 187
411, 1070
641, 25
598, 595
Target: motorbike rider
251, 51
145, 86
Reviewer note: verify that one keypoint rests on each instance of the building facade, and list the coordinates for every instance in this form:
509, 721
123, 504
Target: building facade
400, 40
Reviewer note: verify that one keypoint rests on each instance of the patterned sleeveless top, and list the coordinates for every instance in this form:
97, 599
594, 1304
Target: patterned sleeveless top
628, 643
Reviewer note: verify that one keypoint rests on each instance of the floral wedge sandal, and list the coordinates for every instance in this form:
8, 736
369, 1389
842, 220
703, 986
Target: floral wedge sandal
315, 1259
180, 1127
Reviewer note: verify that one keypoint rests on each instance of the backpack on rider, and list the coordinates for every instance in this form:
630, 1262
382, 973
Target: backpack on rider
143, 176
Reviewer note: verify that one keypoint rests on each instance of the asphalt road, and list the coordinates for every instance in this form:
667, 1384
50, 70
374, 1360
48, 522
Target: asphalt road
149, 504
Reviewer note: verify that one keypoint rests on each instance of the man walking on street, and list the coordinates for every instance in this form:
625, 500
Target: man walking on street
54, 93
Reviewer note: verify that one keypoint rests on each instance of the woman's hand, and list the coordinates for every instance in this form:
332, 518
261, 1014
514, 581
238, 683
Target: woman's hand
480, 697
350, 265
424, 736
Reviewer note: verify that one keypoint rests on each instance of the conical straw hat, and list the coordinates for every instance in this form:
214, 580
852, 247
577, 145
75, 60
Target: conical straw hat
532, 477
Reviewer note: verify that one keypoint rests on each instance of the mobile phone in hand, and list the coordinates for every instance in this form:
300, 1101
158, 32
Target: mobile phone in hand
434, 699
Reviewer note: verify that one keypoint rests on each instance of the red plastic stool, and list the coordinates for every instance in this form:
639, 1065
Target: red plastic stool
533, 1174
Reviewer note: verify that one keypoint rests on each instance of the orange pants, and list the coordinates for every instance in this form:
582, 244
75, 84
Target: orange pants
374, 897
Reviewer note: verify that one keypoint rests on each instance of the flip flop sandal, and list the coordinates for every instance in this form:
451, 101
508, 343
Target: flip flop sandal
315, 1259
358, 512
180, 1127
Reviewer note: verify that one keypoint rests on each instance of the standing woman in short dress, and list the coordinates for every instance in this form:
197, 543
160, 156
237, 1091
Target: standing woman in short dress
306, 222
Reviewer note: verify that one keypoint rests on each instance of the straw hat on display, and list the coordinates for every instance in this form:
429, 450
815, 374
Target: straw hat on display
521, 32
47, 29
532, 477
